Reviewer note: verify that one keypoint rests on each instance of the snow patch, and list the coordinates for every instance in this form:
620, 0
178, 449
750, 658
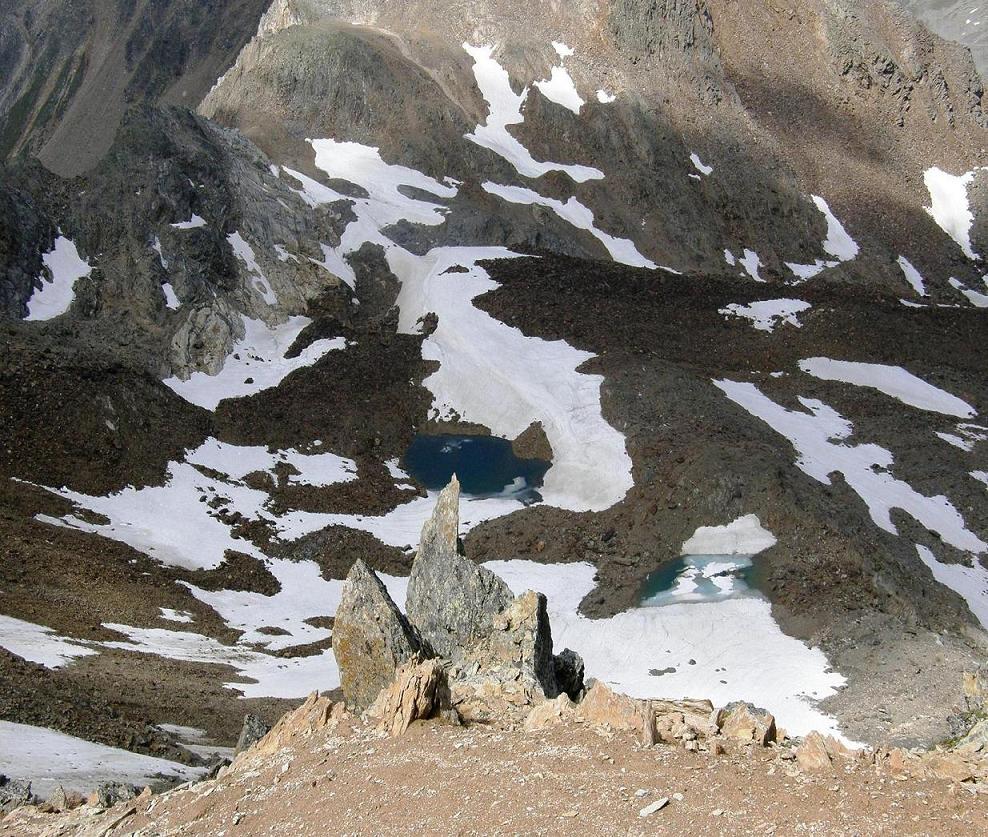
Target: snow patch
837, 243
978, 300
56, 294
257, 362
819, 435
768, 314
605, 98
237, 461
38, 644
971, 583
48, 758
559, 87
894, 381
504, 109
622, 250
913, 276
744, 536
171, 298
699, 166
751, 263
245, 253
171, 615
194, 223
156, 246
949, 206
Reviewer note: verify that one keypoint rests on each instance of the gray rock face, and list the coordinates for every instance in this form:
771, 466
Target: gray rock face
518, 647
110, 793
451, 600
371, 638
253, 730
569, 671
13, 793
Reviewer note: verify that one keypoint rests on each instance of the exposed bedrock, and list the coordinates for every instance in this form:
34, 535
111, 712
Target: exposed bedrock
496, 648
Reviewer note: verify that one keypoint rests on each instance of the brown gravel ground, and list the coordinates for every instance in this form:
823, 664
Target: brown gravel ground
442, 779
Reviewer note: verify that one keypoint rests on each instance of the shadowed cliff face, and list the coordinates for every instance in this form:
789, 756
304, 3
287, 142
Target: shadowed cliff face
68, 70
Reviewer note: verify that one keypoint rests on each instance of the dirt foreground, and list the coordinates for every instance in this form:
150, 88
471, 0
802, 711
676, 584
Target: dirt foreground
339, 775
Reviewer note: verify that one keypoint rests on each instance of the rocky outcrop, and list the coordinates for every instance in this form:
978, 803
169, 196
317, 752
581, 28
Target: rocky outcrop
819, 753
744, 722
317, 714
519, 646
252, 731
420, 690
569, 671
451, 600
13, 793
371, 638
603, 707
493, 650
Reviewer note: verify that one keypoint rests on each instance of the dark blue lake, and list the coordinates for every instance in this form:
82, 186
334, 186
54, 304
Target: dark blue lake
485, 466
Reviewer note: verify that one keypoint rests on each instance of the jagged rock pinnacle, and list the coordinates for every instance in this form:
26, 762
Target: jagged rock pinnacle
371, 638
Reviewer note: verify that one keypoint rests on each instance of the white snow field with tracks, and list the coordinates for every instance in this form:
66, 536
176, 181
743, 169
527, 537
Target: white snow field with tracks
48, 758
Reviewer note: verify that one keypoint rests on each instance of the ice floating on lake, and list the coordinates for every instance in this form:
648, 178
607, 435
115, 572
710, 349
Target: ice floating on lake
768, 314
56, 294
819, 435
894, 381
257, 362
38, 644
48, 759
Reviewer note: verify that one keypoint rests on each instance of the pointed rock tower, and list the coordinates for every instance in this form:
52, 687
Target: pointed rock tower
451, 600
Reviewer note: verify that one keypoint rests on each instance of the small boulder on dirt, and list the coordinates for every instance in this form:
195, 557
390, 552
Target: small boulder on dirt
745, 722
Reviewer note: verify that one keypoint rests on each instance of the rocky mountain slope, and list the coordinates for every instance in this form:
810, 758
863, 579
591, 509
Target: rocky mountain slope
731, 295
